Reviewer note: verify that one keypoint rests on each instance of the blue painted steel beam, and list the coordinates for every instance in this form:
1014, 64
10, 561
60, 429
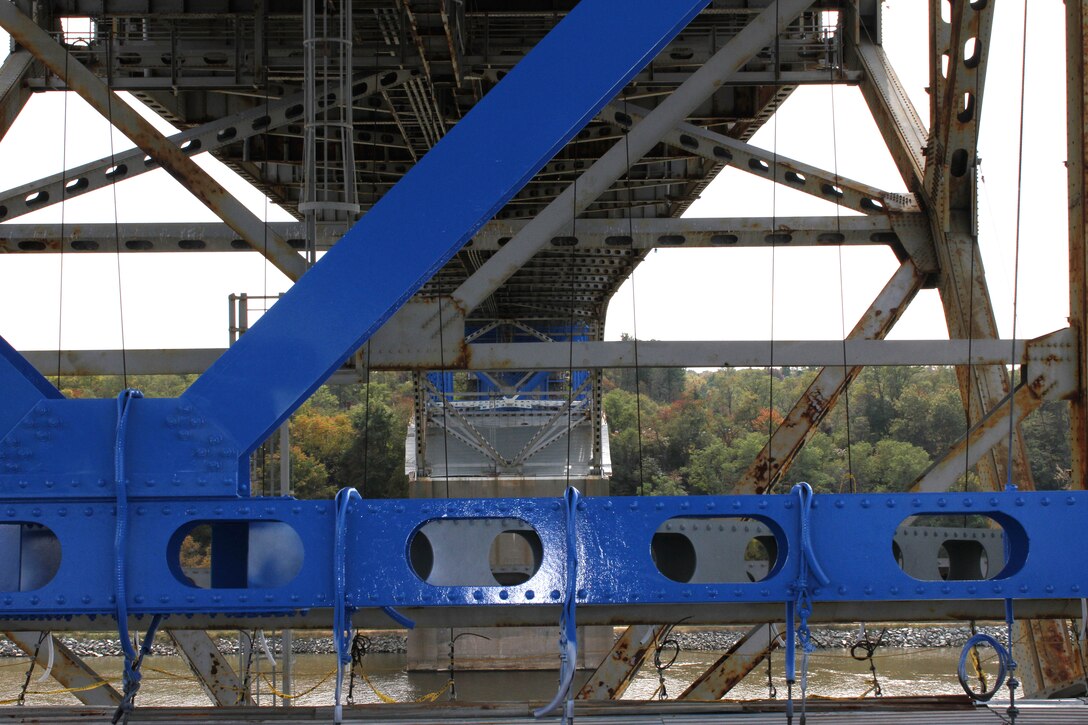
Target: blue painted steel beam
286, 567
197, 445
419, 224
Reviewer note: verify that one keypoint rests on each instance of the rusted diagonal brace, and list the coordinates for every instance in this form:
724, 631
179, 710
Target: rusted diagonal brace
90, 88
780, 452
807, 413
68, 669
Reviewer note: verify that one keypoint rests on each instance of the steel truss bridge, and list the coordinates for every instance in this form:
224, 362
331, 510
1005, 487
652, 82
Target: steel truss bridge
549, 158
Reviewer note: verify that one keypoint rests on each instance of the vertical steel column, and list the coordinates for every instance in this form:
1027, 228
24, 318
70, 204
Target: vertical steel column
326, 198
419, 394
1076, 32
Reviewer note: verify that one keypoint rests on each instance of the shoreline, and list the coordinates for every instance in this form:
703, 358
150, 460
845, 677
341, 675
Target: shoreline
690, 639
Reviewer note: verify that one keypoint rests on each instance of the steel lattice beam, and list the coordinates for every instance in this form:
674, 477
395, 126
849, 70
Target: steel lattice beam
99, 174
91, 89
791, 173
613, 164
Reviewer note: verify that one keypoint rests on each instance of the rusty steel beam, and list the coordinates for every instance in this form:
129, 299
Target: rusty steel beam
1076, 33
213, 671
788, 172
198, 182
824, 391
68, 669
950, 200
14, 91
899, 123
985, 435
733, 666
951, 195
627, 656
780, 452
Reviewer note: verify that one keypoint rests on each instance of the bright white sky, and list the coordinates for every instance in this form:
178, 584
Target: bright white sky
180, 300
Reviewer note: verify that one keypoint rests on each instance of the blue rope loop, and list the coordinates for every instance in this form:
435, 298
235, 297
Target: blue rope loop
341, 615
1004, 659
131, 675
808, 562
341, 612
568, 625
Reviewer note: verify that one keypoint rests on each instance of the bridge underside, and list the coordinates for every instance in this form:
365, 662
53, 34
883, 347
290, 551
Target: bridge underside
333, 111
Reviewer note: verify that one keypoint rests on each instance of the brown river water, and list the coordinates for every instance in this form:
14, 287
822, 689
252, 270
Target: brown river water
832, 673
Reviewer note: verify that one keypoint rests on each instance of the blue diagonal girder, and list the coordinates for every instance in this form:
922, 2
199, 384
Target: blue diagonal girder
444, 199
197, 445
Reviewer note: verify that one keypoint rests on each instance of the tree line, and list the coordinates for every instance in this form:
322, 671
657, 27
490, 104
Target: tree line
671, 431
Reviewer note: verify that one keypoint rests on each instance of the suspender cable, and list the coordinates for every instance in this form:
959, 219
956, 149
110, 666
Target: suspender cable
1016, 255
116, 228
850, 479
634, 301
63, 209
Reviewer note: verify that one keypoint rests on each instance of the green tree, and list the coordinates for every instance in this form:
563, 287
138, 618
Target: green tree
374, 462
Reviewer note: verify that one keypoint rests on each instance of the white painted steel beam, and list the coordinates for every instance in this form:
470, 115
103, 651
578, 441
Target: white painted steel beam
587, 356
904, 132
261, 119
724, 233
719, 148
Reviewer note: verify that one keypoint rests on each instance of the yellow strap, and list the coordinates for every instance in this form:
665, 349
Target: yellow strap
285, 696
66, 690
429, 697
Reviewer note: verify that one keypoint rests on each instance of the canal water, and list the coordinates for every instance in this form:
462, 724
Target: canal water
167, 681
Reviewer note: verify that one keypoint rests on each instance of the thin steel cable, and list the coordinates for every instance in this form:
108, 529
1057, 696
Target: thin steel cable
570, 328
851, 480
1016, 252
117, 234
771, 475
634, 300
63, 208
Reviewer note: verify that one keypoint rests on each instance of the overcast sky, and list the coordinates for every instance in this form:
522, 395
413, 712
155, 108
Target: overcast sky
180, 300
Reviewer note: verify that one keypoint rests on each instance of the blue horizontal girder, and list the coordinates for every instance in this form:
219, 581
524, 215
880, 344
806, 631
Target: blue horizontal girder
185, 458
292, 571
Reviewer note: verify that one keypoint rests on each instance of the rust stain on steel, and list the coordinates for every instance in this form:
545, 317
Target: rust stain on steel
613, 676
824, 391
1059, 666
734, 665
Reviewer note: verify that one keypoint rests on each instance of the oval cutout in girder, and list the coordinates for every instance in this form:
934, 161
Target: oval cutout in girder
30, 556
965, 547
715, 550
236, 554
479, 552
